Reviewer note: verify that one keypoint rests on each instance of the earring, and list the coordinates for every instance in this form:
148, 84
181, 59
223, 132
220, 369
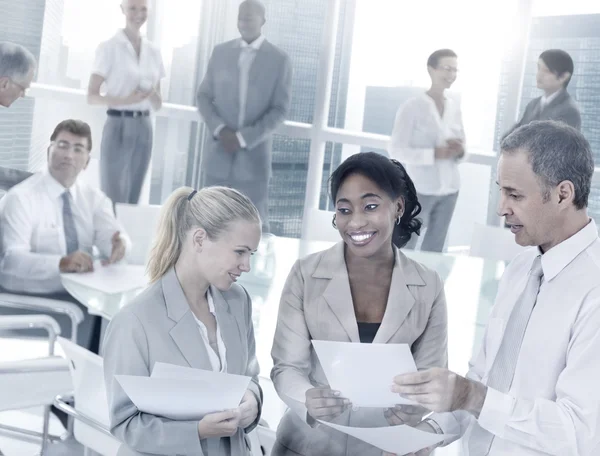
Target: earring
333, 222
398, 219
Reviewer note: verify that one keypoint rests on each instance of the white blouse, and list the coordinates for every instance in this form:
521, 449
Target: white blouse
124, 72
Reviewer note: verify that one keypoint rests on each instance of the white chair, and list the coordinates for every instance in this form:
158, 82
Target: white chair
139, 221
33, 382
91, 427
494, 243
319, 226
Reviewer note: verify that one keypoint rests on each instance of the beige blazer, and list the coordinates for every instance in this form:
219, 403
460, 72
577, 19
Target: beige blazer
317, 304
158, 326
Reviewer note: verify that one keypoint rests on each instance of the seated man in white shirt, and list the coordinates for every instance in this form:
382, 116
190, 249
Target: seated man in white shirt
534, 387
50, 223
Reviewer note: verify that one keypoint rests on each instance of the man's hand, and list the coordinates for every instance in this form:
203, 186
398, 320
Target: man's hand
441, 390
229, 140
325, 404
248, 409
77, 261
405, 414
118, 249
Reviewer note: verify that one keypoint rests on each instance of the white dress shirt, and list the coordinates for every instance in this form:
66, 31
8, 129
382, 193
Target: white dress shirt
546, 100
553, 405
247, 56
218, 359
33, 237
124, 72
418, 130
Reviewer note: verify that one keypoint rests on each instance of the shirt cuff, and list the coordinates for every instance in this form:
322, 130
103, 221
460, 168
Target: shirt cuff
218, 131
496, 411
241, 140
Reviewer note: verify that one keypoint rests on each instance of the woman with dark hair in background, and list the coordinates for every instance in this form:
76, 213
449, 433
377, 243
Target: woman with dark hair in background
362, 290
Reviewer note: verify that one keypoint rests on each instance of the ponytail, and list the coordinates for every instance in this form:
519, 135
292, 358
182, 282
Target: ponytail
167, 245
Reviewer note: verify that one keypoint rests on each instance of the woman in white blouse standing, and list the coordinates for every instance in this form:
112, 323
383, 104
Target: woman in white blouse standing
193, 314
429, 139
130, 67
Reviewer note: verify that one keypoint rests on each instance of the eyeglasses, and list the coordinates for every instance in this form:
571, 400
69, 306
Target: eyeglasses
448, 69
65, 146
23, 88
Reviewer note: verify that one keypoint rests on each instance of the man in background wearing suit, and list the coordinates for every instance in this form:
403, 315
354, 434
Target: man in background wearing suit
555, 68
243, 98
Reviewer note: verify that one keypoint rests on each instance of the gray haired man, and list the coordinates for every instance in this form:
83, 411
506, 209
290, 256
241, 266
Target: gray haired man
17, 68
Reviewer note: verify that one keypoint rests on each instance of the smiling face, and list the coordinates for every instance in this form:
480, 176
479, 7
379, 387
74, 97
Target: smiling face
366, 216
444, 74
222, 260
136, 13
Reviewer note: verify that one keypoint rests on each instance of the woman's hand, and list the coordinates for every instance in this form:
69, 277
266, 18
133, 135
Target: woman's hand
405, 414
325, 404
219, 424
248, 409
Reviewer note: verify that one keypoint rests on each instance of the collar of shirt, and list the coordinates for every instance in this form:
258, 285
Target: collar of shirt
56, 189
559, 256
124, 39
256, 44
546, 100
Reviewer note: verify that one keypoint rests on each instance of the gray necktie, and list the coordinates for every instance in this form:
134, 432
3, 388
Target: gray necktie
69, 224
503, 370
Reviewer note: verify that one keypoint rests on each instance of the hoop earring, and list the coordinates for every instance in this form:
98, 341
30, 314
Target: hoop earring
333, 222
398, 220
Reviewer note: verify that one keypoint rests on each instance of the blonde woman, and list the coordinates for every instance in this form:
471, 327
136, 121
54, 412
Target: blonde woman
129, 68
193, 314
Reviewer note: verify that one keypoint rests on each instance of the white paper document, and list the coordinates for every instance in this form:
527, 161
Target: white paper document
183, 393
111, 279
394, 439
364, 373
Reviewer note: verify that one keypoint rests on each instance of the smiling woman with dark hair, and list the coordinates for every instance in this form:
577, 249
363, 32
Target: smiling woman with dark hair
362, 290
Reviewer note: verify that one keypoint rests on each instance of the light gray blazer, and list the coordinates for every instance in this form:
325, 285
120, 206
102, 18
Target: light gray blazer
158, 326
316, 303
563, 108
268, 102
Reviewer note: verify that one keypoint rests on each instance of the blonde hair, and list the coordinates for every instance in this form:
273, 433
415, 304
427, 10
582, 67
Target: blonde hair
213, 209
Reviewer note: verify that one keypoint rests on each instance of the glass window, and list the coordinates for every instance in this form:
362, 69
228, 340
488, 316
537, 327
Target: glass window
297, 27
287, 188
388, 53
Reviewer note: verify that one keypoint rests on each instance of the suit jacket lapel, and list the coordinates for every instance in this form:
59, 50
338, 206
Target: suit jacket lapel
185, 333
230, 332
558, 101
337, 294
400, 300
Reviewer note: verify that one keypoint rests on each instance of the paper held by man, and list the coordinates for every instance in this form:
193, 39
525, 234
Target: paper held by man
363, 373
184, 393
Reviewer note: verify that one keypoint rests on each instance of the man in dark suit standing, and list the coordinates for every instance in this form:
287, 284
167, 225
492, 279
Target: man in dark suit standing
555, 68
243, 98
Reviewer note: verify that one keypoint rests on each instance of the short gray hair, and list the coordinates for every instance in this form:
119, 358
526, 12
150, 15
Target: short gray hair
15, 61
557, 153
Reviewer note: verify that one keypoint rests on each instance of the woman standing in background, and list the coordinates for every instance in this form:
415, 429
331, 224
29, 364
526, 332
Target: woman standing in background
130, 67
